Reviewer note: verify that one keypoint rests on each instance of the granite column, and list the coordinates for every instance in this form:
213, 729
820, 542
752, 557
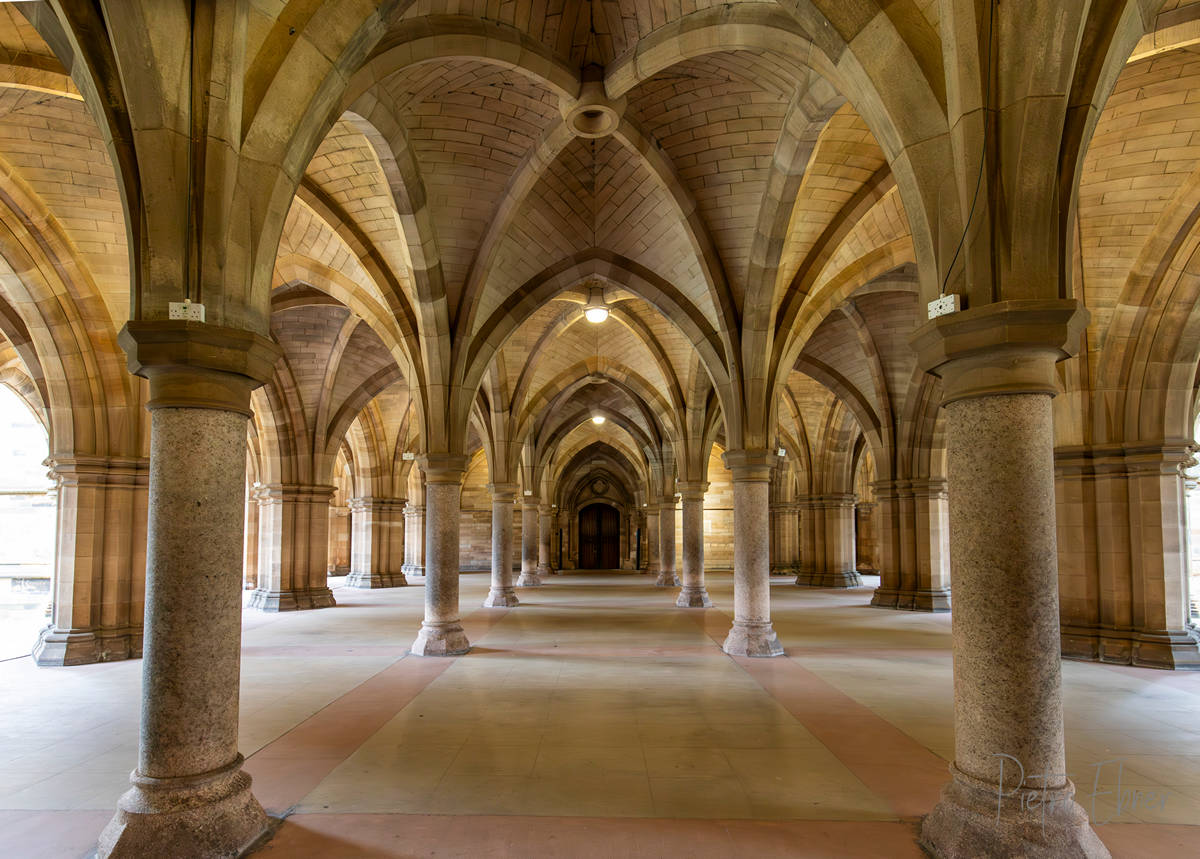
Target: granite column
441, 631
693, 593
501, 593
752, 633
189, 794
997, 366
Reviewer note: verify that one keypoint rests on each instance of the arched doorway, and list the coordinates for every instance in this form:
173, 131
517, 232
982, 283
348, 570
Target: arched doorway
599, 537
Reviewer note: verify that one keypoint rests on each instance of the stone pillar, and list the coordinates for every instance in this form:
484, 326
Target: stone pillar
1123, 566
341, 539
667, 577
693, 593
752, 633
414, 541
377, 543
529, 545
866, 541
189, 794
806, 563
652, 546
997, 366
501, 593
835, 565
545, 566
442, 632
99, 561
293, 548
785, 524
914, 547
250, 542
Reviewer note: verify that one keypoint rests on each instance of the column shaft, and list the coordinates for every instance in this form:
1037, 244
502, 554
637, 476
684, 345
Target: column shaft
529, 545
667, 577
545, 565
652, 546
442, 632
752, 633
189, 794
501, 594
693, 593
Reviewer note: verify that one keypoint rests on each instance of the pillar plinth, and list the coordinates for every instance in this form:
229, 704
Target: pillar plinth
693, 593
752, 633
501, 594
529, 545
293, 548
189, 795
997, 365
667, 578
376, 543
441, 631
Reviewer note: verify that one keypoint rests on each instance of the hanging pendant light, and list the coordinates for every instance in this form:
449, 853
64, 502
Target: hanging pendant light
595, 311
597, 419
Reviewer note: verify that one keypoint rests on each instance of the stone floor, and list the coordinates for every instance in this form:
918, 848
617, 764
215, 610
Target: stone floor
594, 720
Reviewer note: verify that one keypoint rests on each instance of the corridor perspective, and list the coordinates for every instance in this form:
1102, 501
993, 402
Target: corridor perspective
602, 723
622, 428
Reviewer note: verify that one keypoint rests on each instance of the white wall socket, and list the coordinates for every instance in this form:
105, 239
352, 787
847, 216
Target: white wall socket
947, 304
185, 310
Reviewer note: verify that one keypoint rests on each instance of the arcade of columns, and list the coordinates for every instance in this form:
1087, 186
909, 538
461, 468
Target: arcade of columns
395, 216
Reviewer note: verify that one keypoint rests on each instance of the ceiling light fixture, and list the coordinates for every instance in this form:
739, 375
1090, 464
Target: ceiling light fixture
597, 419
595, 311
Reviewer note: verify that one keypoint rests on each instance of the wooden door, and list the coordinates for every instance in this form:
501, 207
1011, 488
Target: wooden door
599, 538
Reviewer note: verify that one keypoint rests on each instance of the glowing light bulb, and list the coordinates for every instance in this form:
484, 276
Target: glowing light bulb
596, 315
597, 419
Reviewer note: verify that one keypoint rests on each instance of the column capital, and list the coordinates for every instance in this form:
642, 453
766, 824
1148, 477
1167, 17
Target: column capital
446, 468
101, 470
1008, 347
197, 366
275, 492
750, 465
545, 509
376, 504
503, 492
692, 490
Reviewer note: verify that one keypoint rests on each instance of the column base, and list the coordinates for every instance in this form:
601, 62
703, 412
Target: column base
693, 598
1175, 650
441, 639
752, 639
934, 600
213, 814
543, 570
965, 823
294, 600
840, 579
413, 571
666, 580
376, 580
55, 647
529, 580
501, 598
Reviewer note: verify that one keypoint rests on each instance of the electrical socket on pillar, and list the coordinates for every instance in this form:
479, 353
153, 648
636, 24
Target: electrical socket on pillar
185, 310
945, 305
